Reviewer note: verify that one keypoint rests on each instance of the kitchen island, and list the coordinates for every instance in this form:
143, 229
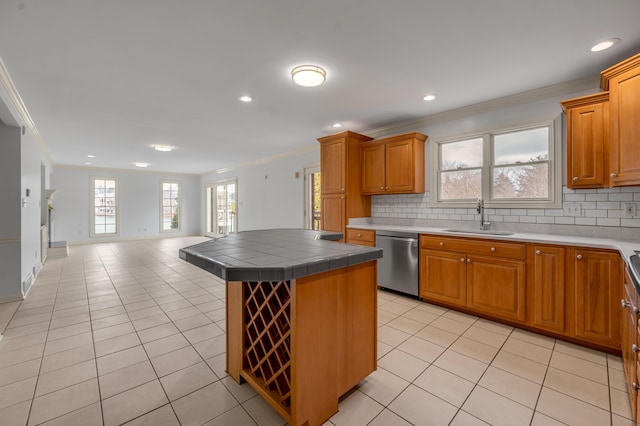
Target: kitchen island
301, 315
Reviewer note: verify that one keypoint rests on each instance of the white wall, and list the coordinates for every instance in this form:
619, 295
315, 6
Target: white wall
10, 224
269, 194
32, 158
139, 199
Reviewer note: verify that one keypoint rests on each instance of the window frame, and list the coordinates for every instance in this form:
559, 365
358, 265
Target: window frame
210, 205
92, 209
179, 228
554, 199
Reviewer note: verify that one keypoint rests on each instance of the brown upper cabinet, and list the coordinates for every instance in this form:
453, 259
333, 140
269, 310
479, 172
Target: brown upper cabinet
602, 129
587, 141
340, 192
394, 165
623, 83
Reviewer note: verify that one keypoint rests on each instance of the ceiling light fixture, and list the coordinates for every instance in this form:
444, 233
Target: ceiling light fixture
141, 164
91, 156
246, 98
429, 97
87, 163
603, 45
308, 75
337, 125
163, 148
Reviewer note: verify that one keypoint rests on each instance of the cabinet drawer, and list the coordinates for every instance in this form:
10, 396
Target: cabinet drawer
365, 237
473, 246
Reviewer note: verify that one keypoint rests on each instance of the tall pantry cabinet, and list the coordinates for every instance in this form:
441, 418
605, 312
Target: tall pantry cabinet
340, 177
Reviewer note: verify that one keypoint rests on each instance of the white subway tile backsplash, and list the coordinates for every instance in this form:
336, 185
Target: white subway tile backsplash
527, 219
589, 221
623, 196
606, 221
608, 205
597, 197
544, 219
564, 220
602, 207
574, 197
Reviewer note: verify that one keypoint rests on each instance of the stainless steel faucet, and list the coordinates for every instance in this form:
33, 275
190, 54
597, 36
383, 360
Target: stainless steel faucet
483, 225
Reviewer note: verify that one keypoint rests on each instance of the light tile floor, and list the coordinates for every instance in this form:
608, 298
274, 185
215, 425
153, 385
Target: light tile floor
128, 333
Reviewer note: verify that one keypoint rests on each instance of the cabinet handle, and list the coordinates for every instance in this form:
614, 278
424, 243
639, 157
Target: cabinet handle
579, 257
342, 189
462, 259
382, 187
386, 188
634, 386
538, 252
441, 244
359, 235
575, 178
493, 249
624, 303
468, 260
635, 348
613, 175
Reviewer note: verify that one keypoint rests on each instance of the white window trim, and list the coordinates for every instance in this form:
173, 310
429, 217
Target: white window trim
554, 200
308, 194
92, 209
179, 228
207, 207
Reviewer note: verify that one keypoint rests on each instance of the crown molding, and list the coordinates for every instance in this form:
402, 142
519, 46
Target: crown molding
561, 89
9, 88
120, 170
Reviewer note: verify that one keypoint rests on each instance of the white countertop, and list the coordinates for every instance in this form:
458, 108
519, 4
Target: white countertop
626, 248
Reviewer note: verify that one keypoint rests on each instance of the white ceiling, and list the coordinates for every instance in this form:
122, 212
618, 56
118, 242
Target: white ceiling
110, 78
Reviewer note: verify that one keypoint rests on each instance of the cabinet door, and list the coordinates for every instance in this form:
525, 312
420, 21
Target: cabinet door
628, 336
624, 92
496, 287
373, 168
399, 166
587, 132
597, 278
443, 277
546, 285
333, 213
333, 165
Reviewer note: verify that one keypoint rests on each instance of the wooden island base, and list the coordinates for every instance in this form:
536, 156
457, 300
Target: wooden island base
303, 343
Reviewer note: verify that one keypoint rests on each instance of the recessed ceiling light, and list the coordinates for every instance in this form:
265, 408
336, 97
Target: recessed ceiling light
308, 75
246, 98
141, 164
91, 156
163, 148
87, 163
603, 45
429, 97
337, 125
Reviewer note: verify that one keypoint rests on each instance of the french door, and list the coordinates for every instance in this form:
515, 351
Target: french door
221, 208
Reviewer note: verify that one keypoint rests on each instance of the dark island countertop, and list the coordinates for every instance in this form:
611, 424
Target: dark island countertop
276, 254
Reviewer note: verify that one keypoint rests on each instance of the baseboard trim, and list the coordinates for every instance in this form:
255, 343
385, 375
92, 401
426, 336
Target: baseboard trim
12, 298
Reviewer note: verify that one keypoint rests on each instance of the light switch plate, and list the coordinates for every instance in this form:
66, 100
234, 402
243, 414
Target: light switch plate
572, 209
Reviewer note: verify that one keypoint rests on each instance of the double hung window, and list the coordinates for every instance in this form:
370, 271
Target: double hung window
512, 169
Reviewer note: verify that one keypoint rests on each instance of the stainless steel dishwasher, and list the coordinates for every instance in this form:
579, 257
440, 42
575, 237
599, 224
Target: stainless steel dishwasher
398, 268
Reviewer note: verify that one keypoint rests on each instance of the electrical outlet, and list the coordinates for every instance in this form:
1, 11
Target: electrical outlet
572, 209
629, 209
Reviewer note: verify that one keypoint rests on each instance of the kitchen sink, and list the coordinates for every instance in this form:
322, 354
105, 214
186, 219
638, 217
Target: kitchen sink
479, 231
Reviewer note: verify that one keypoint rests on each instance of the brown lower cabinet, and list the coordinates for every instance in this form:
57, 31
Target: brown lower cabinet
629, 337
562, 291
